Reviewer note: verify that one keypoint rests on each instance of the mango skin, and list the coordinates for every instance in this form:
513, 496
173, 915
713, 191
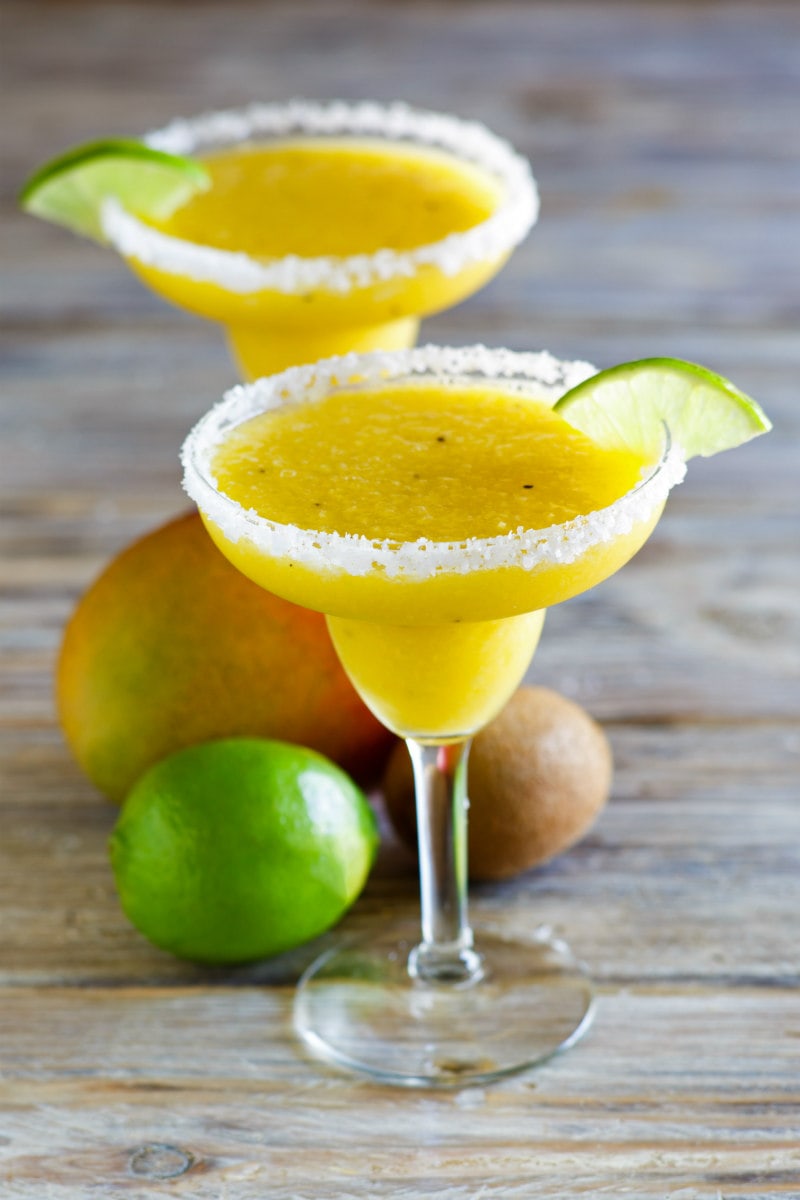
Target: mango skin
172, 646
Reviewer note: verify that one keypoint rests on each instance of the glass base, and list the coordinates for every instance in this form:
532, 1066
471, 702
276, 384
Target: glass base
358, 1007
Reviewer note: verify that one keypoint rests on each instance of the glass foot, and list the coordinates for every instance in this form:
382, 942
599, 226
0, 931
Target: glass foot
358, 1007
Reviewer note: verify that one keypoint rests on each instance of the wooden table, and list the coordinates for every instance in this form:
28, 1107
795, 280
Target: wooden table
665, 139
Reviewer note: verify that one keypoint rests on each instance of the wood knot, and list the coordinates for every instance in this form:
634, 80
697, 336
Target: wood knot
157, 1160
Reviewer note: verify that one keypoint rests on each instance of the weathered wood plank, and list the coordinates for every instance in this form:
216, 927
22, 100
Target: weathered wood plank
664, 139
123, 1073
698, 843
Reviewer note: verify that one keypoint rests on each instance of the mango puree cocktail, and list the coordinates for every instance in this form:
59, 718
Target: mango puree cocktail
431, 519
329, 228
432, 503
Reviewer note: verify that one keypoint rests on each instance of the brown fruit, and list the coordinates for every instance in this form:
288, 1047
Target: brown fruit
539, 774
172, 646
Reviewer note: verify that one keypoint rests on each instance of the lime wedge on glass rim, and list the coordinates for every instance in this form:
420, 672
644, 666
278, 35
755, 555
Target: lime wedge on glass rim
70, 190
627, 407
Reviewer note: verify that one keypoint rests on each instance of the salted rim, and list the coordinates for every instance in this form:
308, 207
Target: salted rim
354, 554
242, 273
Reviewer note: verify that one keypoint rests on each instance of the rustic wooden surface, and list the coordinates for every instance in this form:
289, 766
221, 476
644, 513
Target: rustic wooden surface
665, 139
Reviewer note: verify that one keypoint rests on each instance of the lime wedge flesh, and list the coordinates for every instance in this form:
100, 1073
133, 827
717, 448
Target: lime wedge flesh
70, 190
628, 406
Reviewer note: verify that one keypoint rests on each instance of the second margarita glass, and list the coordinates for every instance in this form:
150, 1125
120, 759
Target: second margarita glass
329, 227
435, 634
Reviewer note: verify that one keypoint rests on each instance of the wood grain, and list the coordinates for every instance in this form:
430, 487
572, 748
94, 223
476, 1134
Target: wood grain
664, 138
127, 1062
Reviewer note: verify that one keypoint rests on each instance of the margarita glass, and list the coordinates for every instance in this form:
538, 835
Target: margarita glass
329, 227
436, 632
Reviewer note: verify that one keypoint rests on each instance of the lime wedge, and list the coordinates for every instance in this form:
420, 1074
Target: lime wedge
627, 407
69, 190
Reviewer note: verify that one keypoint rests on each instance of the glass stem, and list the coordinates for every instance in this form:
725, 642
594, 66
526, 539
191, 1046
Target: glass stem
445, 954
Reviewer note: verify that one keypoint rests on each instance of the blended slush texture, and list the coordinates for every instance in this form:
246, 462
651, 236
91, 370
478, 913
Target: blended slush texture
441, 463
335, 198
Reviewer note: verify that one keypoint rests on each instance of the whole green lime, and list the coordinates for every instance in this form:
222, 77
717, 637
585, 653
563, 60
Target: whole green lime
241, 848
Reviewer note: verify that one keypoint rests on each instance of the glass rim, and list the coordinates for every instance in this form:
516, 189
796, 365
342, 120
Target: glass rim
242, 273
356, 554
